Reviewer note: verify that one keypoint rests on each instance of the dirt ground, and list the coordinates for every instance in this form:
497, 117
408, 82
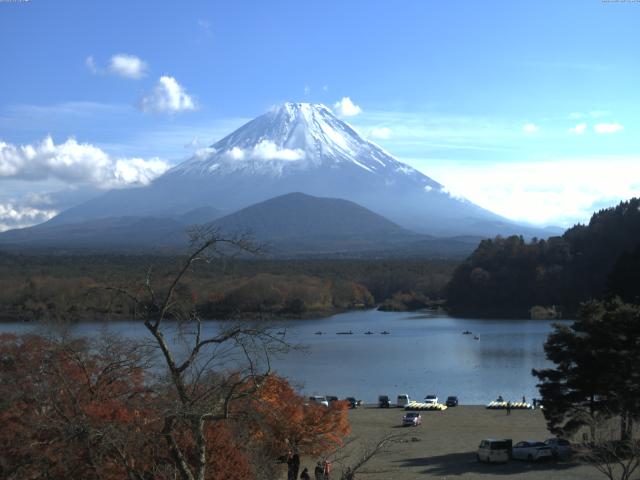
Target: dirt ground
444, 446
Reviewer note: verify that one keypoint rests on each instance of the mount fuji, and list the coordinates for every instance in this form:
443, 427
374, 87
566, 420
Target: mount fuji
295, 147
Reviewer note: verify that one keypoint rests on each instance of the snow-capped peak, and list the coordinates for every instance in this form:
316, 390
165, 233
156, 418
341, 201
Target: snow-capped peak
293, 137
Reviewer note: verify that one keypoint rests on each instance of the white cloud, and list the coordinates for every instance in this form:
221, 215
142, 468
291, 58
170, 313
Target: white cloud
552, 192
204, 152
121, 64
530, 128
91, 65
128, 66
75, 163
579, 129
346, 108
603, 128
193, 143
168, 96
380, 132
18, 216
265, 150
307, 90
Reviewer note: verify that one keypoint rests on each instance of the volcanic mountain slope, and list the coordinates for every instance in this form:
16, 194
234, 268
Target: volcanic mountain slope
291, 225
298, 147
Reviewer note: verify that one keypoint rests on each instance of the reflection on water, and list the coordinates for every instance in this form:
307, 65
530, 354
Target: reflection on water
423, 354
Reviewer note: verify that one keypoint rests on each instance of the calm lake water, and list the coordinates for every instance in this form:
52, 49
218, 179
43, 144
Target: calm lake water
424, 353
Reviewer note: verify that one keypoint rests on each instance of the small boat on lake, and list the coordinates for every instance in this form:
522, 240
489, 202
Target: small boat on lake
318, 333
476, 337
384, 333
345, 333
368, 332
466, 332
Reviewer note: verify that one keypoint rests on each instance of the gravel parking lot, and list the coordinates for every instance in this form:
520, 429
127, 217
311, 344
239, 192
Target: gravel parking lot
444, 446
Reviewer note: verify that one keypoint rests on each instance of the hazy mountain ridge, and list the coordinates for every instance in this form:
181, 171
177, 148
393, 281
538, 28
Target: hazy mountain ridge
296, 147
299, 147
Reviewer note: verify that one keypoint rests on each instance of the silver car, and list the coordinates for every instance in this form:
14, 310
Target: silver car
560, 448
531, 451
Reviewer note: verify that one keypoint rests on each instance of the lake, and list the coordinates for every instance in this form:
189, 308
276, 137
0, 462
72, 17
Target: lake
424, 353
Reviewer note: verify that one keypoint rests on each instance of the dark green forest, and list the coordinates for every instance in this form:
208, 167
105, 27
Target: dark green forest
77, 287
510, 277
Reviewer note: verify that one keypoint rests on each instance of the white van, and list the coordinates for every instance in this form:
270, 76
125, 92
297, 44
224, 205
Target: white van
493, 450
319, 400
403, 400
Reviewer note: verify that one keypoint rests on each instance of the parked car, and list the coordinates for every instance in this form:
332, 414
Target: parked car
383, 401
560, 448
452, 401
531, 451
431, 399
412, 419
494, 450
403, 400
353, 403
331, 398
319, 400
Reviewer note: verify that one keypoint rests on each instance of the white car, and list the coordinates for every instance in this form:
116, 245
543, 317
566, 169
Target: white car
319, 400
560, 448
403, 400
531, 451
412, 419
431, 399
492, 450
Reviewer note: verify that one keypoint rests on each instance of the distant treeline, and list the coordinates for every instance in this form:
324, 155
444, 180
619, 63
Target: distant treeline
508, 276
77, 287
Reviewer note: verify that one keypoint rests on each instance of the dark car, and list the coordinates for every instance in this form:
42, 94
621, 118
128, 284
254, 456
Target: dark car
353, 403
452, 401
383, 401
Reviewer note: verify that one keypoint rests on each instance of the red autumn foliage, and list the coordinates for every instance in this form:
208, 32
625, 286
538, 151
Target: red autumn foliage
291, 422
70, 412
74, 409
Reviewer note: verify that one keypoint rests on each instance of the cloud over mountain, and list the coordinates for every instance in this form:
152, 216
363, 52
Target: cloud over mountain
346, 108
75, 163
168, 96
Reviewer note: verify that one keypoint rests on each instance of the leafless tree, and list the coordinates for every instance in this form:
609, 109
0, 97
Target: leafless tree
616, 459
207, 370
356, 453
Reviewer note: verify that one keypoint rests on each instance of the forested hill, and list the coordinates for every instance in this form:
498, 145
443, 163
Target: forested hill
507, 276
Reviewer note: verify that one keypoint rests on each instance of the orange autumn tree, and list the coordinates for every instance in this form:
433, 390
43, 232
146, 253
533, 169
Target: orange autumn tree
70, 412
70, 409
291, 423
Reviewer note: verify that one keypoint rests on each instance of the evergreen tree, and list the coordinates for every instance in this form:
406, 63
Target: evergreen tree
597, 369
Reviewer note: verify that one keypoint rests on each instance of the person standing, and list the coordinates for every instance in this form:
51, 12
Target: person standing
318, 472
305, 475
290, 475
326, 469
295, 465
509, 407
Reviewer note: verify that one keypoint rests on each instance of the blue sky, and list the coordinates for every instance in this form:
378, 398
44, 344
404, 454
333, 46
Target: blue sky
527, 108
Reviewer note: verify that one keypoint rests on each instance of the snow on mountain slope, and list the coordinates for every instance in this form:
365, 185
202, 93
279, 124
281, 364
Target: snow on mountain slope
295, 136
298, 147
